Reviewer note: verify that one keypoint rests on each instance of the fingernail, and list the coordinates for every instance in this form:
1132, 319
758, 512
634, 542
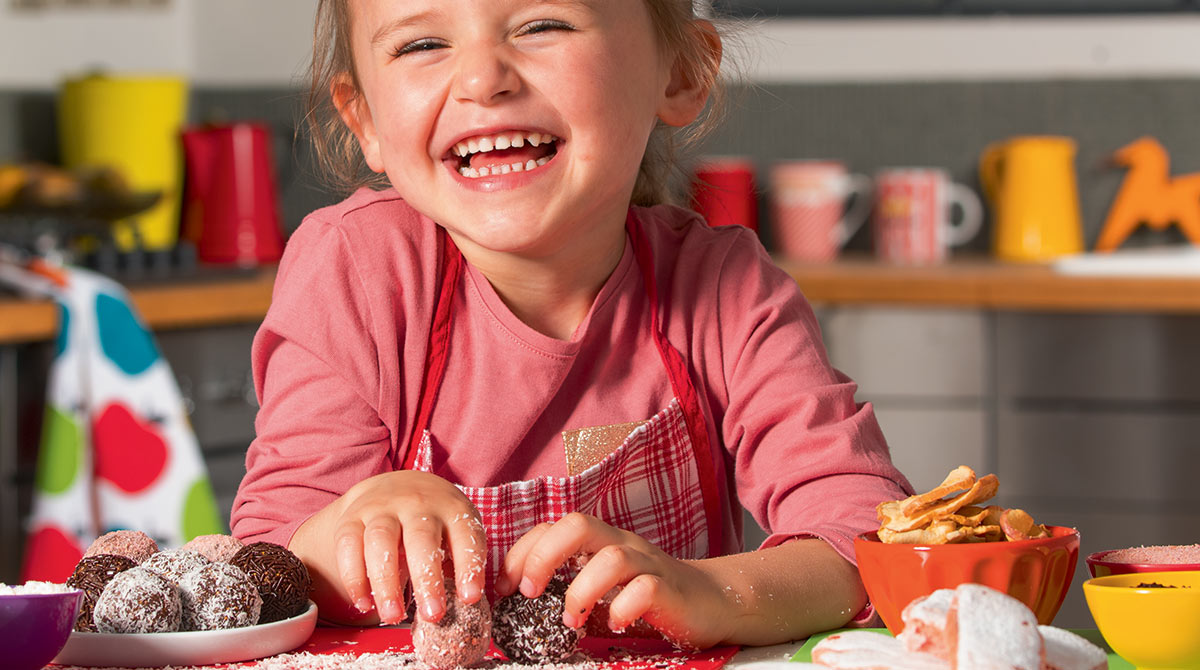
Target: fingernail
432, 610
390, 611
469, 593
363, 604
527, 588
571, 620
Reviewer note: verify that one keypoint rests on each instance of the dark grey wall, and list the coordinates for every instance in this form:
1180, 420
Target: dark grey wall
948, 124
868, 125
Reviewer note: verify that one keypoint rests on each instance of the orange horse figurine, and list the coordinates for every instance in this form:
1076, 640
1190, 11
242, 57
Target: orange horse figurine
1151, 196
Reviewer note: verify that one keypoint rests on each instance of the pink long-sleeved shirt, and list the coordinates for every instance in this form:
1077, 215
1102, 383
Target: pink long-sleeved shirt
339, 360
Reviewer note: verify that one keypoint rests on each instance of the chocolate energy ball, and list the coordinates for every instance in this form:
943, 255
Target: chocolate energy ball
91, 575
531, 630
459, 639
217, 596
173, 564
219, 548
132, 544
138, 601
281, 578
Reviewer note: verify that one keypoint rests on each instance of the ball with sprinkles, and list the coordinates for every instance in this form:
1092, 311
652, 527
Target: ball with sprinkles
218, 596
132, 544
91, 575
281, 578
531, 630
175, 563
459, 639
218, 548
138, 601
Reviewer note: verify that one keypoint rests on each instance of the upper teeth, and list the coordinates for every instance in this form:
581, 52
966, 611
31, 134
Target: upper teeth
486, 143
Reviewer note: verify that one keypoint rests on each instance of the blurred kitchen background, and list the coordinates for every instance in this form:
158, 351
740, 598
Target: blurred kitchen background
1087, 412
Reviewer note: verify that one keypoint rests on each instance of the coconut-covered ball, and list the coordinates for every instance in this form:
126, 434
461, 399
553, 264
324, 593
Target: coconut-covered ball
531, 630
132, 544
217, 596
457, 640
219, 548
281, 578
173, 564
138, 601
91, 575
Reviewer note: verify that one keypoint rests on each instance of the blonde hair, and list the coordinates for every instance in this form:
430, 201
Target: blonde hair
339, 160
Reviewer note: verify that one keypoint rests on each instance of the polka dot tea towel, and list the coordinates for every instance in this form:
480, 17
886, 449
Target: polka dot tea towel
117, 451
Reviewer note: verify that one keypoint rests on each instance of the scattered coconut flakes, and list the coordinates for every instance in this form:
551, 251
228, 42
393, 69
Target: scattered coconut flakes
34, 588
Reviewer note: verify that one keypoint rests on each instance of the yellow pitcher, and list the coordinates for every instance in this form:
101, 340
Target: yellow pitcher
1030, 183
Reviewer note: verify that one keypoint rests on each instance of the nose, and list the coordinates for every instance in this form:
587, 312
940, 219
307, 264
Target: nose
485, 76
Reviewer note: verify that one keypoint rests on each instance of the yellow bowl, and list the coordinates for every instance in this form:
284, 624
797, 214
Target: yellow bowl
1150, 626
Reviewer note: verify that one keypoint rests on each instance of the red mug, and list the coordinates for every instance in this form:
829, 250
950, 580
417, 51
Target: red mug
816, 207
723, 192
230, 205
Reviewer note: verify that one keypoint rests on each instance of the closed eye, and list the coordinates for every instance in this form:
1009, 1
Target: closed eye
544, 25
424, 44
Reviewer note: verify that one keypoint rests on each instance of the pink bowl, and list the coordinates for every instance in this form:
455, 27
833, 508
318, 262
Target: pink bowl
1100, 565
39, 623
1036, 572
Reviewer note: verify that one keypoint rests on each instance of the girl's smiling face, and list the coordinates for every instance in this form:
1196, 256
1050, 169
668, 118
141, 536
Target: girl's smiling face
518, 125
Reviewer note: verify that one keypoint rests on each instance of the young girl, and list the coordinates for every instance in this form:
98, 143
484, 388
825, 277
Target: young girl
504, 366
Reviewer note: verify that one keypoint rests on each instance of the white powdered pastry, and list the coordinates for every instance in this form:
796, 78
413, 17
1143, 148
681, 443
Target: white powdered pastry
865, 650
138, 601
925, 623
1067, 651
991, 630
218, 596
34, 588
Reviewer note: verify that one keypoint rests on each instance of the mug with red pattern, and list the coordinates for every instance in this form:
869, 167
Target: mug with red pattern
913, 222
816, 206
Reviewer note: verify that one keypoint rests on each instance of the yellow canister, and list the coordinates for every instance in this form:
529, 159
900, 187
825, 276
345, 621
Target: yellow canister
130, 123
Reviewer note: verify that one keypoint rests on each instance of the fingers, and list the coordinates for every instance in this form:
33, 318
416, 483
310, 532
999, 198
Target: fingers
610, 567
352, 570
384, 569
639, 599
512, 572
468, 547
423, 550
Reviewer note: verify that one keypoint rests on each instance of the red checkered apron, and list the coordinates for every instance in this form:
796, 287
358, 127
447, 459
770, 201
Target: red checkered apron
659, 483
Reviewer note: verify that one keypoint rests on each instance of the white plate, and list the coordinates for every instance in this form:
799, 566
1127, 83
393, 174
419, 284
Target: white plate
201, 647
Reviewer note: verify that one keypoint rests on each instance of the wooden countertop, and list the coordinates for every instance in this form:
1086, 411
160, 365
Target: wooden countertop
969, 283
193, 302
982, 283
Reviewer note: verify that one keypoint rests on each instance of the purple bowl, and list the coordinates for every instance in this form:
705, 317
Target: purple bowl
40, 623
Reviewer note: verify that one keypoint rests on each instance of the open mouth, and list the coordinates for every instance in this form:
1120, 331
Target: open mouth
503, 153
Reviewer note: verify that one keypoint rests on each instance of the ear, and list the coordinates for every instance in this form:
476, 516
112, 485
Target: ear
356, 114
686, 93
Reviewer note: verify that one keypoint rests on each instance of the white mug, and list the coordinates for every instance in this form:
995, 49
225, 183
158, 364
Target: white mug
913, 222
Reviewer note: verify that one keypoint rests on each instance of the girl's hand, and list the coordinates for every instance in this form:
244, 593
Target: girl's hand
678, 598
389, 530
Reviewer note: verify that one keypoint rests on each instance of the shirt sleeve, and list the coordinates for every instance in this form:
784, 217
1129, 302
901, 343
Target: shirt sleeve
317, 376
809, 459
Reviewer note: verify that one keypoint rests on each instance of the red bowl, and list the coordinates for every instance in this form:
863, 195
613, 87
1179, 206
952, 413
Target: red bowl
1036, 572
1099, 565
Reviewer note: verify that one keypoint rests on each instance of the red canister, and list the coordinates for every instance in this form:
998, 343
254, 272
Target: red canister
723, 192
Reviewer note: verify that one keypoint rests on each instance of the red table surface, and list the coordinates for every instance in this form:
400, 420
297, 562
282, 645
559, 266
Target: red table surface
630, 654
626, 654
